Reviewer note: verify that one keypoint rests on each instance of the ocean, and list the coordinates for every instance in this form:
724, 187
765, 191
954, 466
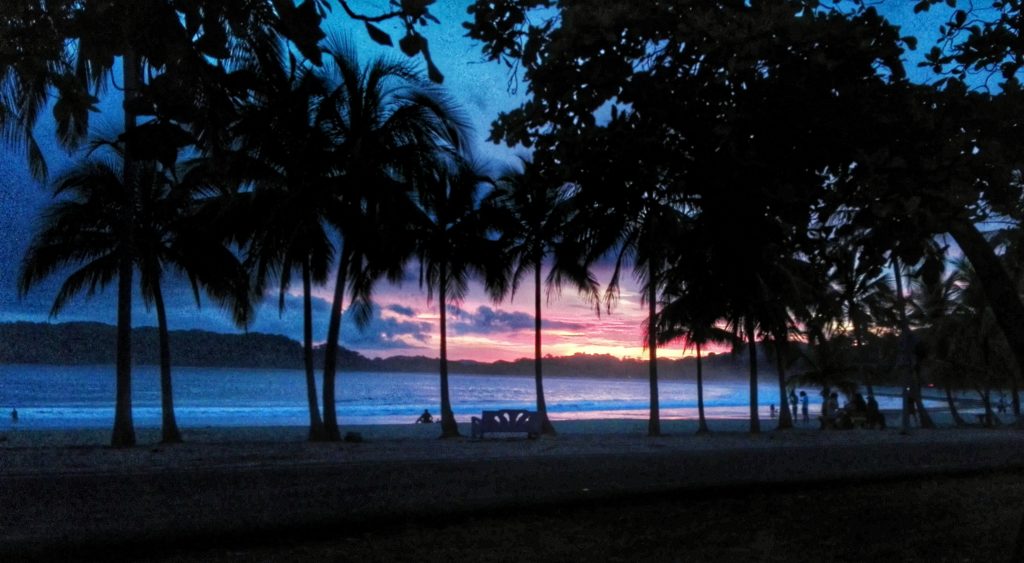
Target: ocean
59, 397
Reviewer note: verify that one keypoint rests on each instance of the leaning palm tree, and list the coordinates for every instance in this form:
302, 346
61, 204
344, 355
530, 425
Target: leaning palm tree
452, 245
387, 125
175, 233
534, 212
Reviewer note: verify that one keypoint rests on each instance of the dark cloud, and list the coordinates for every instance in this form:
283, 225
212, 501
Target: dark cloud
401, 310
486, 320
385, 333
183, 314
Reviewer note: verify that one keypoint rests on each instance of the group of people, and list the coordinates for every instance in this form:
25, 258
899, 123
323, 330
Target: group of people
865, 411
802, 403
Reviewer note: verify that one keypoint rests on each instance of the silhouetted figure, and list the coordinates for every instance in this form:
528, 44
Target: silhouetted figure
859, 406
911, 407
771, 411
830, 412
805, 406
425, 418
874, 416
14, 416
792, 403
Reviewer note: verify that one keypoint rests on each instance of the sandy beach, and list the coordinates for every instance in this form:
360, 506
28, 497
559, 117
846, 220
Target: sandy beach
66, 492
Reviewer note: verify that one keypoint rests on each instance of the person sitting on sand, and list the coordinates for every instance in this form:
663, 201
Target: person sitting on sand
425, 418
830, 412
859, 406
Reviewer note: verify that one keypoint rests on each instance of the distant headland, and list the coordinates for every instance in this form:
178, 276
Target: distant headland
87, 343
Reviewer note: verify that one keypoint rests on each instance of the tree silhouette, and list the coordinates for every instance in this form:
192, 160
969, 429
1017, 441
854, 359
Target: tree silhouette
534, 211
453, 245
285, 154
388, 126
89, 226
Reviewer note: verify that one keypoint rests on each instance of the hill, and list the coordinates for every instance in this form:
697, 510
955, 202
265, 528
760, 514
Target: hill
82, 343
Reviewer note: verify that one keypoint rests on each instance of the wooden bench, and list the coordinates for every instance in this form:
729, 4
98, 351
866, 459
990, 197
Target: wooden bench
504, 422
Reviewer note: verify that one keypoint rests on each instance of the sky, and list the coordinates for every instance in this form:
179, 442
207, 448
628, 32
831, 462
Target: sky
403, 322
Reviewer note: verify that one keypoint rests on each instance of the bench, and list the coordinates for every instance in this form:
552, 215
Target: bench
505, 421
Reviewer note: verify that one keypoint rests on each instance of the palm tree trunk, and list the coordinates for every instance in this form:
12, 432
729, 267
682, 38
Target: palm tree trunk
996, 283
1015, 399
905, 343
331, 431
124, 429
953, 411
924, 419
316, 424
755, 422
702, 422
654, 423
785, 417
449, 428
990, 415
542, 407
858, 334
169, 425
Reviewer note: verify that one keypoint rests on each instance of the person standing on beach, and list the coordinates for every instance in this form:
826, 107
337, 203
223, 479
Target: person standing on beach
792, 402
804, 406
14, 416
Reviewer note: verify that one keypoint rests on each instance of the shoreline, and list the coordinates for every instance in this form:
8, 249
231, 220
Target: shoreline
71, 451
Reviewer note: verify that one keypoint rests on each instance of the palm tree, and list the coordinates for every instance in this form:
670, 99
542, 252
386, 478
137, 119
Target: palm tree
110, 228
932, 263
855, 295
58, 55
287, 158
173, 231
90, 228
387, 125
452, 245
534, 212
691, 312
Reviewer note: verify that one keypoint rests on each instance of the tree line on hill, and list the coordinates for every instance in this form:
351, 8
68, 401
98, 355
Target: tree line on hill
90, 343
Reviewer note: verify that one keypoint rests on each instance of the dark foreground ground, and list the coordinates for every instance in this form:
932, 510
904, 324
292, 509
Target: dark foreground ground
801, 495
971, 517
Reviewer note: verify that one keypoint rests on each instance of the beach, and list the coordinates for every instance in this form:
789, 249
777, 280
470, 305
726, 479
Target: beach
65, 490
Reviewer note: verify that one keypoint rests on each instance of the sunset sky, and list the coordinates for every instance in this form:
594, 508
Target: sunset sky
403, 321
